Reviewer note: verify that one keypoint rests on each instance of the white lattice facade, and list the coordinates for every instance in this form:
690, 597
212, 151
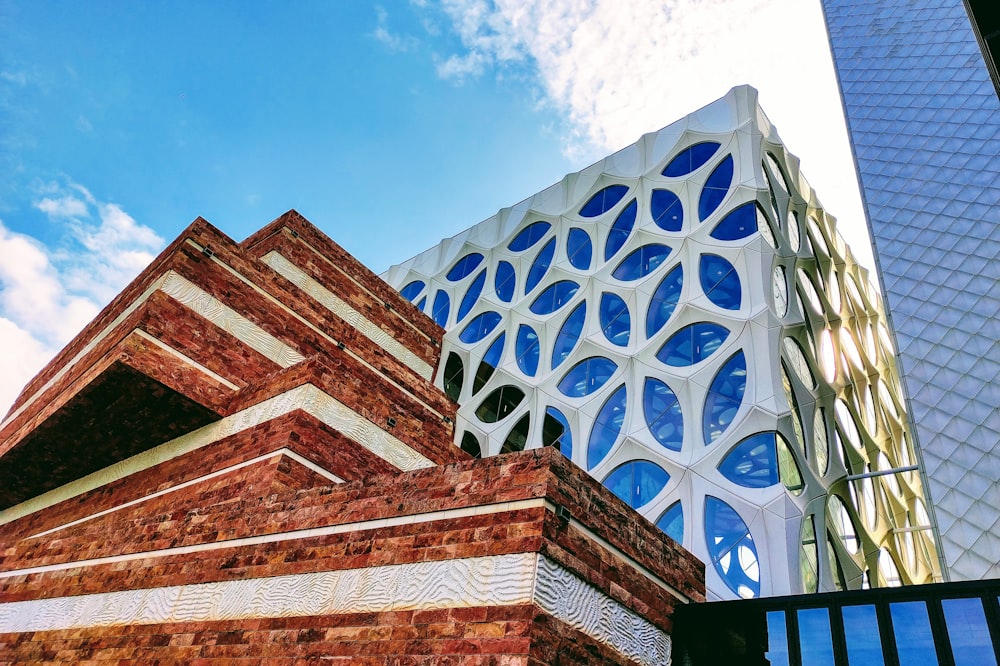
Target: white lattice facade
684, 322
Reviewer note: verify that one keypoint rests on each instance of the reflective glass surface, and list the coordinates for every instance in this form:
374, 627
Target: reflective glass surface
412, 290
568, 335
603, 201
471, 296
526, 349
671, 522
606, 427
518, 435
556, 432
620, 230
470, 444
815, 636
731, 548
692, 344
969, 634
499, 404
662, 412
720, 282
752, 463
615, 320
454, 374
690, 159
439, 311
579, 248
777, 639
864, 646
505, 281
912, 627
528, 236
464, 266
740, 223
540, 266
554, 297
480, 327
637, 482
587, 376
666, 209
716, 188
491, 359
725, 395
664, 301
641, 262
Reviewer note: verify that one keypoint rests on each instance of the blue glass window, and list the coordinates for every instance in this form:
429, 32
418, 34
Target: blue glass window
615, 320
526, 348
530, 235
671, 522
587, 376
637, 482
777, 641
540, 265
569, 334
465, 266
480, 327
663, 414
620, 230
499, 404
969, 632
579, 248
421, 303
641, 262
412, 290
692, 344
554, 297
739, 223
664, 300
439, 311
815, 636
490, 362
606, 428
666, 209
603, 201
505, 281
471, 296
556, 432
725, 395
731, 548
720, 281
690, 159
715, 188
914, 639
753, 463
864, 645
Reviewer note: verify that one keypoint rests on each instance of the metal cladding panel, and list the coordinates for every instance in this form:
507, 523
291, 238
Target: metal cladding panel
924, 120
684, 322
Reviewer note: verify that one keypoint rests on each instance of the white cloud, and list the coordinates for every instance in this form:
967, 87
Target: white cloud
47, 294
391, 40
616, 70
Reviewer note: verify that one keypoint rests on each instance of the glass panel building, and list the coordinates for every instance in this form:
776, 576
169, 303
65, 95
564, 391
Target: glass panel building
716, 356
918, 82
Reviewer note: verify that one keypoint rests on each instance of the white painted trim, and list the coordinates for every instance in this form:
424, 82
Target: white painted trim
307, 397
284, 267
226, 470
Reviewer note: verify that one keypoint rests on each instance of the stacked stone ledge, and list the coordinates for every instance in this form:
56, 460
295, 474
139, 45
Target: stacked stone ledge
244, 457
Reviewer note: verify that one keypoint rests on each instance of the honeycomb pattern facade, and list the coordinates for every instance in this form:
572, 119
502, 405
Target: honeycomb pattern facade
924, 121
683, 321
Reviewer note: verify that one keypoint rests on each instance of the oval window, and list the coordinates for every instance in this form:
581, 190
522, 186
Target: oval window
603, 201
540, 265
664, 301
579, 249
731, 548
568, 335
690, 159
720, 281
716, 188
662, 412
490, 362
518, 435
692, 344
587, 376
528, 236
672, 522
641, 262
505, 281
470, 444
471, 296
615, 320
499, 404
739, 223
554, 297
606, 428
620, 230
412, 290
439, 311
637, 482
526, 349
725, 395
556, 432
464, 266
753, 463
480, 327
666, 209
453, 376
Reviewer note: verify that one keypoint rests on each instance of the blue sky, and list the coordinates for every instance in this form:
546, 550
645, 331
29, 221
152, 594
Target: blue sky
390, 125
